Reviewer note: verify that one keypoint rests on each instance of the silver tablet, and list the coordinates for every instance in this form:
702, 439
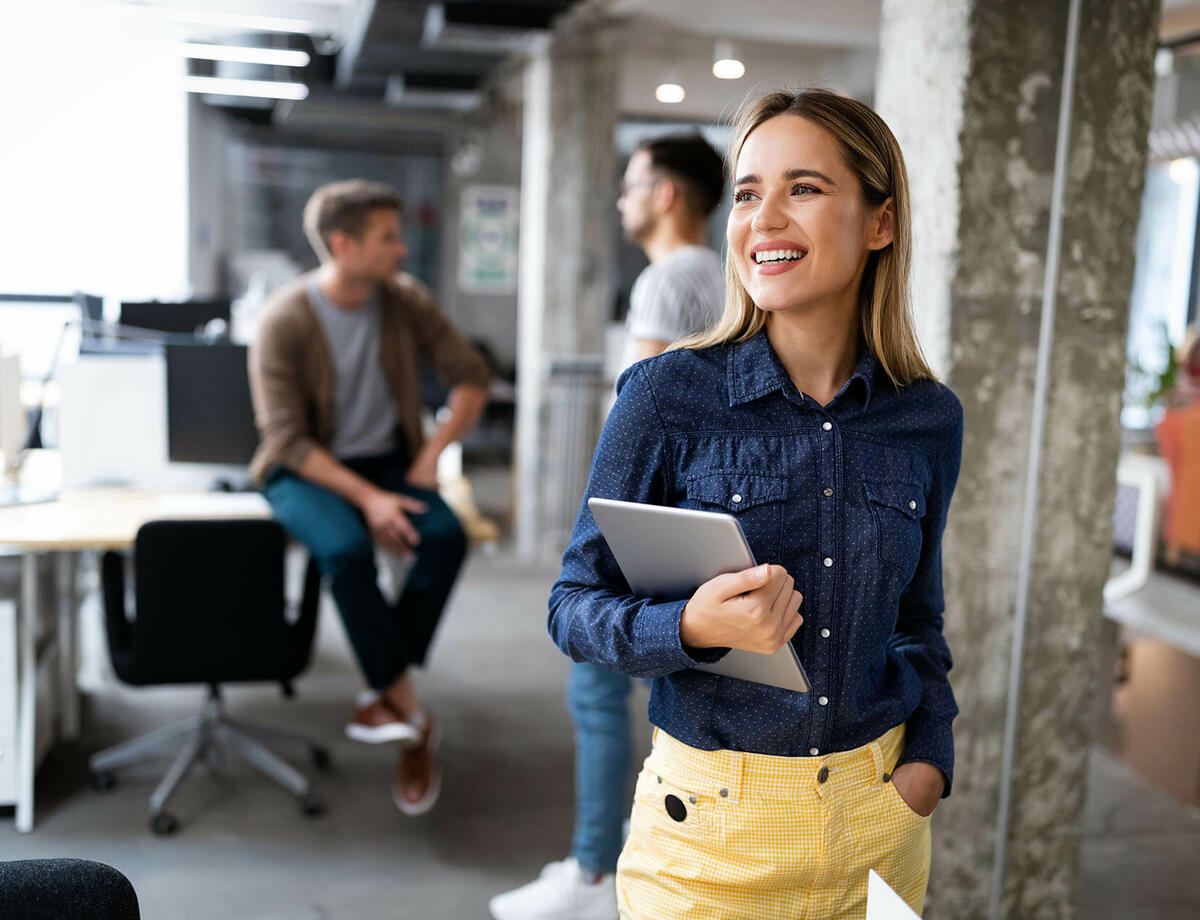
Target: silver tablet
669, 552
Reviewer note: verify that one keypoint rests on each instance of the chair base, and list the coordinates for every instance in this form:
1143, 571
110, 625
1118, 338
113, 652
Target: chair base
212, 737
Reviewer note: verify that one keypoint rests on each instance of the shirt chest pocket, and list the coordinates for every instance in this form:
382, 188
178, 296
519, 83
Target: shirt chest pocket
897, 509
757, 500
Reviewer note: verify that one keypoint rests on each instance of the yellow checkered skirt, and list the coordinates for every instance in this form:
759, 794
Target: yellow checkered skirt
724, 834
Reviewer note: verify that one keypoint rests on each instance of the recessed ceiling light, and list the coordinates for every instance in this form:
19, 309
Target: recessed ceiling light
669, 93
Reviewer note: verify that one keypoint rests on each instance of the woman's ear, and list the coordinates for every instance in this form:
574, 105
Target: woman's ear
882, 231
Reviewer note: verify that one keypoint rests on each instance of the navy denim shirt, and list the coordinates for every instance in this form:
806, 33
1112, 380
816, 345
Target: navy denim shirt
851, 498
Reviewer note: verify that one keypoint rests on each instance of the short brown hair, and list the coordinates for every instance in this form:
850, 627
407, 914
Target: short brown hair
345, 206
693, 165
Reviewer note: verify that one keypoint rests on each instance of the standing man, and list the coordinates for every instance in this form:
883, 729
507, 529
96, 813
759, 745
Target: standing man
342, 459
671, 186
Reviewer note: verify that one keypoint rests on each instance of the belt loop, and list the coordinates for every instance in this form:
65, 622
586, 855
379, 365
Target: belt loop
877, 759
734, 778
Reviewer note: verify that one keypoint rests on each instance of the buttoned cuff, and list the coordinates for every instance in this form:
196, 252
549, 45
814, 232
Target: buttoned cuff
656, 631
929, 739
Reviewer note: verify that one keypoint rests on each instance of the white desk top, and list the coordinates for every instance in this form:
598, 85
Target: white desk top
108, 517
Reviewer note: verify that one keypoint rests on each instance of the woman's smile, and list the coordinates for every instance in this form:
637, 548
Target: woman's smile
774, 257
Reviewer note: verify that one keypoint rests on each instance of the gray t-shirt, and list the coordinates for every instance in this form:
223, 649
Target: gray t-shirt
681, 295
364, 412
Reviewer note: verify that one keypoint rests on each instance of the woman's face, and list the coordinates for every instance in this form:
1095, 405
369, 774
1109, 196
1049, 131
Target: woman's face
799, 232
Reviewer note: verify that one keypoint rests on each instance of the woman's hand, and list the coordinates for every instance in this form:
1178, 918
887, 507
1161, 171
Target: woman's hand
757, 610
920, 785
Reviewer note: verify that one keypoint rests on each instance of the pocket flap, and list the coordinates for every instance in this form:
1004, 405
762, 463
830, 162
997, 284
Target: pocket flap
905, 497
736, 491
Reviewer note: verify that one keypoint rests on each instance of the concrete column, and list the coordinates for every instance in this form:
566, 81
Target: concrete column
568, 196
1024, 126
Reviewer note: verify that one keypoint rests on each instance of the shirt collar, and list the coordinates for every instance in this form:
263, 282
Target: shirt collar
754, 370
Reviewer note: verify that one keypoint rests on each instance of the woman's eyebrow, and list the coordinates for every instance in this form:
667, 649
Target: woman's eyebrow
789, 176
792, 174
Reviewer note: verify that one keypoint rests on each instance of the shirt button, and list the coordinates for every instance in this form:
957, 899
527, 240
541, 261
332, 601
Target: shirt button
737, 499
814, 751
823, 775
912, 505
824, 633
827, 492
823, 700
828, 426
827, 562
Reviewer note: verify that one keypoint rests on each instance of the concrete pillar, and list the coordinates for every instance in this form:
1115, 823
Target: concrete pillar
1024, 126
568, 196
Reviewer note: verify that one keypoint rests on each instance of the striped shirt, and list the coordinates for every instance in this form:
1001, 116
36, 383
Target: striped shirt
678, 296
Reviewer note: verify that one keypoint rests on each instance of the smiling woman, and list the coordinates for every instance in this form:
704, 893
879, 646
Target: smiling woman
757, 801
840, 166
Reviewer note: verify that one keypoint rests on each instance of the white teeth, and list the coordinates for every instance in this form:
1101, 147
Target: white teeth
778, 255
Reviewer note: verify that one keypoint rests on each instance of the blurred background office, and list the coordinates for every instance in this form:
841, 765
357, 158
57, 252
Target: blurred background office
155, 161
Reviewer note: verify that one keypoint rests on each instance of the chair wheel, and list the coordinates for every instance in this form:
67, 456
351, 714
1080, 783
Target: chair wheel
311, 807
321, 759
102, 781
164, 823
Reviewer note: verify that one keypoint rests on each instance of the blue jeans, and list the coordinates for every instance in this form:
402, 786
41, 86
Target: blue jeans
599, 703
386, 639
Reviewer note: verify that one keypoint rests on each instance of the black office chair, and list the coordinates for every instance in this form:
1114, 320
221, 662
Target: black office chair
65, 889
210, 609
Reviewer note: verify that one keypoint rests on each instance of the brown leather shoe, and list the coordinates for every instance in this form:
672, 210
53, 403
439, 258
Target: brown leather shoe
418, 781
375, 722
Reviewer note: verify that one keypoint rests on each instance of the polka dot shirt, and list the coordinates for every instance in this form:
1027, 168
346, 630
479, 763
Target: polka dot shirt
851, 498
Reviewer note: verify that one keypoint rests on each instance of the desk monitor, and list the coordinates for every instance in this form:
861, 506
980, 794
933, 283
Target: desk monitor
209, 415
184, 317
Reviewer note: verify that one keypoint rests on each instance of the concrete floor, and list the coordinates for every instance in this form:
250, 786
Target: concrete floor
245, 853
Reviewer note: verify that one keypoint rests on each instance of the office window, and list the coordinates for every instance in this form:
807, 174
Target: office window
1164, 288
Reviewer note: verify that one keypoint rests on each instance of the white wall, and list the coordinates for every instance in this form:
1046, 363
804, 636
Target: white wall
93, 162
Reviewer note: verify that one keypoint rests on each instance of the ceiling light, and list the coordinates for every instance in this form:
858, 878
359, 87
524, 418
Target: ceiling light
272, 57
726, 65
242, 22
669, 93
1183, 171
260, 89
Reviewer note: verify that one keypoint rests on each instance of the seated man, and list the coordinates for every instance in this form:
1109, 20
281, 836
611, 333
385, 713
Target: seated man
342, 460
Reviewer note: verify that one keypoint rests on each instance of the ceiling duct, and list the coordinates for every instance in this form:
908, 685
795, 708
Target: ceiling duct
401, 93
490, 28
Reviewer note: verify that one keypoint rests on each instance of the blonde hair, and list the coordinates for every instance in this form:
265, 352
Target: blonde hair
873, 155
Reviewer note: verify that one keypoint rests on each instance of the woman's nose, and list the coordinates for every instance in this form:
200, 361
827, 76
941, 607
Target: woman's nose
769, 216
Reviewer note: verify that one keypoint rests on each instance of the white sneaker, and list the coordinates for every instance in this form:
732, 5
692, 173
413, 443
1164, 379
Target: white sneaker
561, 892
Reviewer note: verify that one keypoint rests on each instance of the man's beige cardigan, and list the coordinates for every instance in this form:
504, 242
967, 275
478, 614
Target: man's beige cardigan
292, 370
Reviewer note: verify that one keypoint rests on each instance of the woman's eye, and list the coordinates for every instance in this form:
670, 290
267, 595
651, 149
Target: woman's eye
742, 195
801, 188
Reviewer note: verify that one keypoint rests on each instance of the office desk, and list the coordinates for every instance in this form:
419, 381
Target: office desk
78, 520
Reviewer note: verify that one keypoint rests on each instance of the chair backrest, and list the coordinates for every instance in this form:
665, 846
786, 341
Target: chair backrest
65, 889
210, 605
